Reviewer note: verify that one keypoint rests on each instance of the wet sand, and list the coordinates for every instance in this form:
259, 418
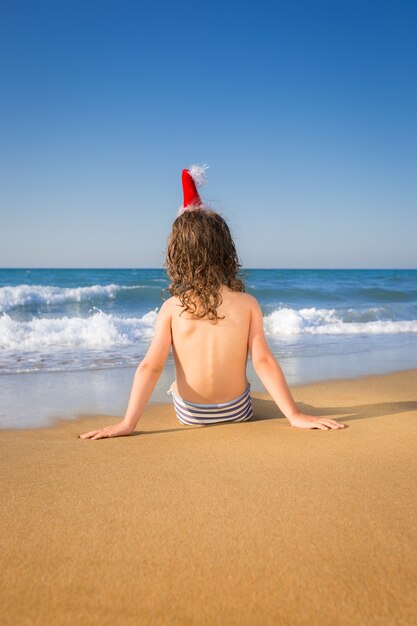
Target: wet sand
255, 523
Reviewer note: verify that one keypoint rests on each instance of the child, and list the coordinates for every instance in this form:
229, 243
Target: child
211, 325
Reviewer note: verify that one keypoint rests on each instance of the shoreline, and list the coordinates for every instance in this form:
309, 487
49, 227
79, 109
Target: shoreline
254, 522
38, 399
257, 392
299, 391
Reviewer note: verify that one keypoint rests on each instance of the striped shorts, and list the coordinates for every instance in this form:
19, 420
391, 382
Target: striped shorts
237, 410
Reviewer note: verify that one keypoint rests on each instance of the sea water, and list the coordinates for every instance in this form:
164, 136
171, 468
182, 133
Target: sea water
71, 338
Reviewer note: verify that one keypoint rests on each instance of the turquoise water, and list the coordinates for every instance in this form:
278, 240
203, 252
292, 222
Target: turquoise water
320, 324
54, 320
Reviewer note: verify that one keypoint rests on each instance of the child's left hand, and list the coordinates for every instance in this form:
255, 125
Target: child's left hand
118, 430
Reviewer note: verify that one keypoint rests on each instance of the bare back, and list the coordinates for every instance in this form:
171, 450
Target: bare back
210, 359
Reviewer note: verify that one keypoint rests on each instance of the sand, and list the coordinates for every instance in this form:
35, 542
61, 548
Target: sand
256, 523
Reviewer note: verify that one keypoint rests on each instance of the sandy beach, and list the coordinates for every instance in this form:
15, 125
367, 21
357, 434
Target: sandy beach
255, 523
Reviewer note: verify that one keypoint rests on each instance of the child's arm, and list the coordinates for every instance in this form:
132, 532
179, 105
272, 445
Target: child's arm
273, 378
146, 377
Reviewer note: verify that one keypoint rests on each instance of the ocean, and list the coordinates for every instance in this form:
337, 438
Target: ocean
70, 338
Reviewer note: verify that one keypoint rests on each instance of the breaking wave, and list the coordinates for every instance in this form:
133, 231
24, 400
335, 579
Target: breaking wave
100, 330
25, 295
287, 321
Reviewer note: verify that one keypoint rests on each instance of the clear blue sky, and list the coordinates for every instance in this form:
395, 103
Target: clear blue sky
306, 112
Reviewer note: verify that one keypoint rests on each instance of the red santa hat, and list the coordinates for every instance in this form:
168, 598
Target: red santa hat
191, 177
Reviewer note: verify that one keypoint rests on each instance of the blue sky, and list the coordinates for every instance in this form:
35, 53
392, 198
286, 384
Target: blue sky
306, 113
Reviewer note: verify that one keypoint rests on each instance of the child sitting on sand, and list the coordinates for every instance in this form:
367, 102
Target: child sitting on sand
211, 325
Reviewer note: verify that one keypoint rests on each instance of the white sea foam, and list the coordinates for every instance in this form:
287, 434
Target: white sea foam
286, 321
21, 295
103, 330
100, 330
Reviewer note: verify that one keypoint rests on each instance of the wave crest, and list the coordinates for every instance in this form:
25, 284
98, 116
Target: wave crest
100, 330
23, 295
286, 321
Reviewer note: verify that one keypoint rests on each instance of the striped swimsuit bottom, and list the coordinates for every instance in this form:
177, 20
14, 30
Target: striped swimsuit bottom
237, 410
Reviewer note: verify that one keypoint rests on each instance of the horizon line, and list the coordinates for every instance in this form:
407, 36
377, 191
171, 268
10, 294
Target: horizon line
159, 268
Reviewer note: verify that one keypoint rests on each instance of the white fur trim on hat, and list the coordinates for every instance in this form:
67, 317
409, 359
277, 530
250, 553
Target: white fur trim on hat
198, 173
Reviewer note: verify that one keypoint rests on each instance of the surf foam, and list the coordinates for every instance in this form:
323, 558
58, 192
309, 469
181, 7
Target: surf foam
100, 330
23, 295
287, 321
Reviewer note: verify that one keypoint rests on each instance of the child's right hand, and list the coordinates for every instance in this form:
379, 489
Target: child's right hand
300, 420
118, 430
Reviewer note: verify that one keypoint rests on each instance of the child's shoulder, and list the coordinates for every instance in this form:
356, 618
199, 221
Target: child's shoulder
247, 302
251, 299
243, 299
246, 297
169, 304
171, 307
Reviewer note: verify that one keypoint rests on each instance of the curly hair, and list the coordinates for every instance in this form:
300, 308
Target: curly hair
200, 258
